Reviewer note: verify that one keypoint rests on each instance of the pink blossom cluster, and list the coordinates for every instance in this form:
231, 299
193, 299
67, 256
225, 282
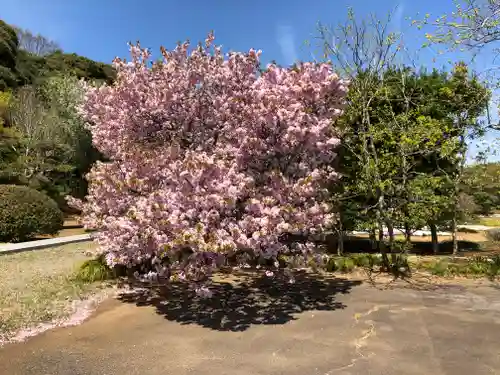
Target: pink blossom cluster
208, 152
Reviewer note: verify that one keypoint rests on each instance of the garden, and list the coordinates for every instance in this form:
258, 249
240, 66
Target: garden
197, 162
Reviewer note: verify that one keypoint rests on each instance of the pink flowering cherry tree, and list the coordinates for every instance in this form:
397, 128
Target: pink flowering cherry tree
210, 155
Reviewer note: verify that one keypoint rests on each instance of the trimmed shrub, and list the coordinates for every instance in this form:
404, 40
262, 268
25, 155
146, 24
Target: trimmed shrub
25, 213
93, 270
367, 260
477, 266
493, 234
345, 265
440, 268
331, 266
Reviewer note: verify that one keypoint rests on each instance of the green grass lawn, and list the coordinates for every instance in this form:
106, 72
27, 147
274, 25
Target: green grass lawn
39, 286
489, 221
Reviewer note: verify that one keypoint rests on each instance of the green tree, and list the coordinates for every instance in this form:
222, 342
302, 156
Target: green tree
43, 141
34, 70
44, 156
482, 184
403, 133
27, 59
361, 50
8, 56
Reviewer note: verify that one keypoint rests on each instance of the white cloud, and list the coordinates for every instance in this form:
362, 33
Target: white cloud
286, 39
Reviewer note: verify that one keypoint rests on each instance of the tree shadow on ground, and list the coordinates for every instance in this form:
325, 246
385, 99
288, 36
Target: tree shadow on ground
354, 245
235, 306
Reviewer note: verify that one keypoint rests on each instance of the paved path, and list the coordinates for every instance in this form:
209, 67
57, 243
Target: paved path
41, 244
310, 327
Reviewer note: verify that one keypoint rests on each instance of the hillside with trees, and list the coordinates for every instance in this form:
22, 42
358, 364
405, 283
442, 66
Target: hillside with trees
27, 59
43, 141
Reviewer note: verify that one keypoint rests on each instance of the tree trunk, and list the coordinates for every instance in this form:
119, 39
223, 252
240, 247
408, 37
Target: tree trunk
456, 199
434, 236
407, 233
340, 243
373, 239
454, 235
380, 221
390, 230
380, 234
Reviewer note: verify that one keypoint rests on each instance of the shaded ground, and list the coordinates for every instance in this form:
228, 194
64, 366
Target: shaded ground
468, 244
325, 326
240, 302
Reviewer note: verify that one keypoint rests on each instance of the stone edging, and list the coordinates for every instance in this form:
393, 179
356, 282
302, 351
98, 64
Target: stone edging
41, 244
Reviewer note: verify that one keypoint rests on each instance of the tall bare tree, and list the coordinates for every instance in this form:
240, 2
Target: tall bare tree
35, 43
36, 126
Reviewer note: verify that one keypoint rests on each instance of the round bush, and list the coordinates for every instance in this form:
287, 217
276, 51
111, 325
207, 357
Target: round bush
493, 234
25, 213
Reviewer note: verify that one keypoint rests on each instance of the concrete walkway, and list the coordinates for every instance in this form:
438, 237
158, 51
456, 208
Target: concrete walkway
41, 244
315, 326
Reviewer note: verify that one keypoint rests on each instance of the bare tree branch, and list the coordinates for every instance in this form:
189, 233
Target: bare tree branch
36, 44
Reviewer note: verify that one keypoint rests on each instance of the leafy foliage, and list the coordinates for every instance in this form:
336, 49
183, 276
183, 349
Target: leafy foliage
46, 145
477, 266
10, 145
34, 69
25, 213
43, 140
473, 24
404, 135
62, 95
416, 139
482, 183
94, 270
8, 56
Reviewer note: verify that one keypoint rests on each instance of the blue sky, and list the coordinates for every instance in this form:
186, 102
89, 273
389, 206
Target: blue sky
100, 29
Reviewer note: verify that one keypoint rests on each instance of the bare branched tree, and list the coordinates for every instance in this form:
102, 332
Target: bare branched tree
474, 24
360, 45
36, 44
30, 119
